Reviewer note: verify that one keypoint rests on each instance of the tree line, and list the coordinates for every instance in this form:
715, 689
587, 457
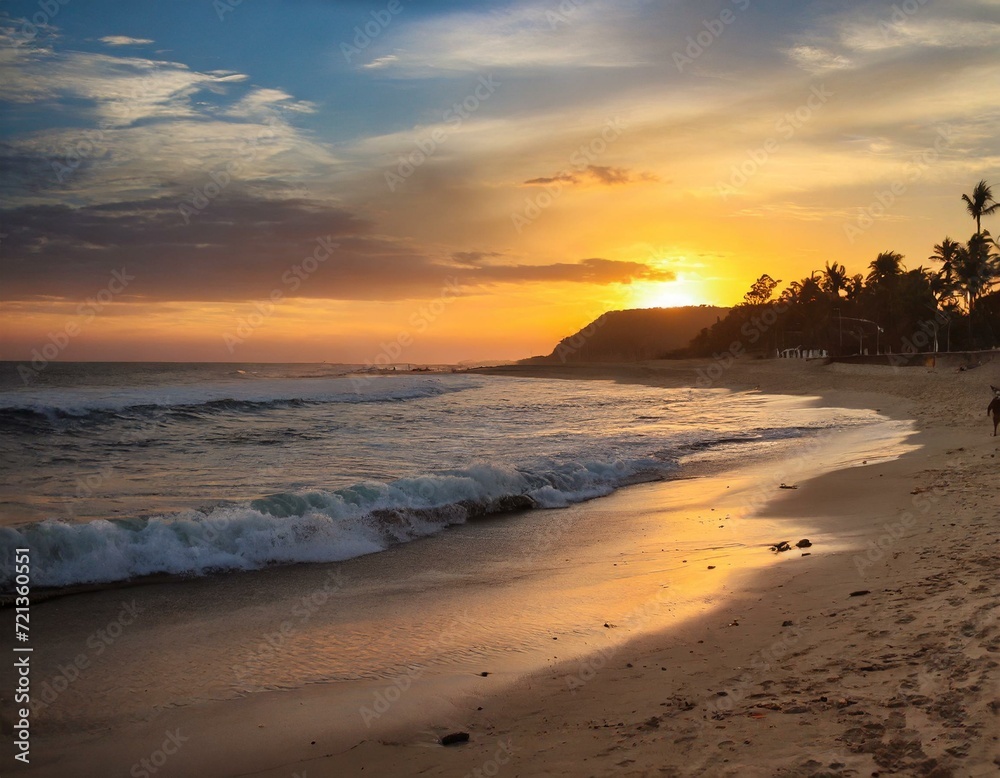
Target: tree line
950, 305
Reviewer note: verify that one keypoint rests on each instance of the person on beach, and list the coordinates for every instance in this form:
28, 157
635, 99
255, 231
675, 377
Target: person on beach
994, 408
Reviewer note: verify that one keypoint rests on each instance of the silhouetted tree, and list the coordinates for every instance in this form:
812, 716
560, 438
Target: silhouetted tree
980, 203
761, 290
834, 279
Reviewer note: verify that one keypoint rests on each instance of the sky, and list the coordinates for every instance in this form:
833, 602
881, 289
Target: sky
431, 182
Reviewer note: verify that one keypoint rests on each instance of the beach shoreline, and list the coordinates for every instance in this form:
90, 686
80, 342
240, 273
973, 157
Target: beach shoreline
623, 714
900, 680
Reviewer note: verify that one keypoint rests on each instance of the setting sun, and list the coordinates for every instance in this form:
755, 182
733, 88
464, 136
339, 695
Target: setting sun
667, 294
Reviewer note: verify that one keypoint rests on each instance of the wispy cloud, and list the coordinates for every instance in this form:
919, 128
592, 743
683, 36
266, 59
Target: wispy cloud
264, 102
148, 126
520, 36
124, 40
603, 175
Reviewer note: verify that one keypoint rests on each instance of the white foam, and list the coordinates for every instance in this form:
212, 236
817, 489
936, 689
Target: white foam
303, 527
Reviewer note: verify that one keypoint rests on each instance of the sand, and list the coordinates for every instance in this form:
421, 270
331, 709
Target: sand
873, 651
794, 676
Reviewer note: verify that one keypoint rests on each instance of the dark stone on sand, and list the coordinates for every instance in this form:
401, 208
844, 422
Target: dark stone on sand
484, 673
860, 592
804, 543
455, 738
711, 567
782, 546
787, 623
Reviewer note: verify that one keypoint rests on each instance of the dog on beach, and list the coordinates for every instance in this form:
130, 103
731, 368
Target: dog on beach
994, 408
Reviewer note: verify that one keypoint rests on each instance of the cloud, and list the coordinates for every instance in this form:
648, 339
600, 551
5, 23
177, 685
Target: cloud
602, 175
138, 128
381, 62
474, 258
124, 40
817, 60
109, 89
265, 102
242, 248
524, 35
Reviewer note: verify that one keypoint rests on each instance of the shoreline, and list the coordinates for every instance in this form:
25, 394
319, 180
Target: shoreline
918, 696
643, 721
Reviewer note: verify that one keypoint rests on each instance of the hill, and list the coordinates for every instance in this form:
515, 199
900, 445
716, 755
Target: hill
632, 335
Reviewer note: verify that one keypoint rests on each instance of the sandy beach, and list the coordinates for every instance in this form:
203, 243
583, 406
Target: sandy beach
794, 675
872, 651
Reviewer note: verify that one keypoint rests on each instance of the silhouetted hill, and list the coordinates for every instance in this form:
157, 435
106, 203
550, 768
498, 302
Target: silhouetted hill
628, 336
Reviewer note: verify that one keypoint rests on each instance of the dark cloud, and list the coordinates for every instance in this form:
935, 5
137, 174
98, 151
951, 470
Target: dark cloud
473, 258
560, 177
242, 248
602, 175
591, 271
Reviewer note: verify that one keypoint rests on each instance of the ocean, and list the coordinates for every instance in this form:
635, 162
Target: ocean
113, 472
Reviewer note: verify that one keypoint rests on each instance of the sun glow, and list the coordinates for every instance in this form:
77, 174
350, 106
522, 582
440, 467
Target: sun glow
667, 294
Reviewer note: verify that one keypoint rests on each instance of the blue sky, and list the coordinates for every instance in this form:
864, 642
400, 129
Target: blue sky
120, 120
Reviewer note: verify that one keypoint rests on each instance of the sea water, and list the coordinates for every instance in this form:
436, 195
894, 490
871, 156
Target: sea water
116, 471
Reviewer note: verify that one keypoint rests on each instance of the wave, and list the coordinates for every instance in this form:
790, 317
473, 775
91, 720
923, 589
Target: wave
18, 410
315, 526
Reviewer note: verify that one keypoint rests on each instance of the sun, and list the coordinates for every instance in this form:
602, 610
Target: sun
666, 294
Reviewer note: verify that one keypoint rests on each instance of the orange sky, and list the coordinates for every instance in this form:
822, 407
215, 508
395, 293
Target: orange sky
600, 167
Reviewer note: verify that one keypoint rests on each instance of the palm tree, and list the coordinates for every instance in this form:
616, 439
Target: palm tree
854, 286
885, 267
834, 279
976, 269
805, 291
946, 252
981, 203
